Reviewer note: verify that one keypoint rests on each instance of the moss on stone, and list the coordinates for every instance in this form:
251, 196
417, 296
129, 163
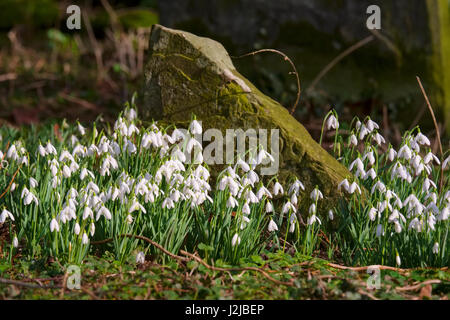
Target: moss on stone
186, 75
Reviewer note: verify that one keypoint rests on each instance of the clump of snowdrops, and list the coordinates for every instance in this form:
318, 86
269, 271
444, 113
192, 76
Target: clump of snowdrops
397, 201
65, 189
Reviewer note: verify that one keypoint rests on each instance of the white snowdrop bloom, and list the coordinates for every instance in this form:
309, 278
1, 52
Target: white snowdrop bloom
92, 229
84, 239
65, 155
443, 216
177, 135
81, 129
140, 258
445, 163
312, 219
195, 127
379, 139
332, 122
12, 153
293, 219
136, 206
66, 171
288, 206
416, 225
246, 208
236, 240
74, 140
250, 196
431, 220
295, 187
397, 227
369, 155
6, 214
15, 242
193, 143
358, 124
29, 198
383, 205
263, 192
54, 225
132, 129
87, 212
168, 204
50, 149
422, 139
269, 207
436, 248
430, 157
363, 132
371, 125
77, 229
359, 164
312, 208
330, 215
353, 140
379, 231
294, 199
354, 187
92, 186
392, 154
316, 195
277, 189
343, 184
427, 183
103, 212
24, 193
397, 260
371, 173
244, 165
404, 153
272, 226
129, 219
373, 213
85, 172
42, 151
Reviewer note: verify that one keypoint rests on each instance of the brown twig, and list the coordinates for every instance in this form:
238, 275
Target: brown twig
198, 259
27, 284
381, 267
11, 182
285, 58
336, 60
419, 285
438, 134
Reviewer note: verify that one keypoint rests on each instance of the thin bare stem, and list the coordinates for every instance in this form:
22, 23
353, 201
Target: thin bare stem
292, 65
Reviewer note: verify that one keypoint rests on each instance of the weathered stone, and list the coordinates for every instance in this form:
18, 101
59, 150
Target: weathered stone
187, 75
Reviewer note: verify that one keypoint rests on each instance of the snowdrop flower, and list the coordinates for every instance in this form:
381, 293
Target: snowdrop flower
330, 214
50, 149
195, 127
272, 226
88, 213
372, 214
392, 154
359, 164
6, 214
353, 140
269, 207
81, 129
371, 125
236, 240
353, 187
445, 163
103, 212
371, 173
77, 228
312, 208
363, 132
436, 248
369, 155
312, 219
33, 182
246, 208
30, 197
296, 186
42, 151
294, 199
84, 239
277, 189
397, 260
316, 195
66, 171
397, 227
54, 225
140, 257
416, 225
288, 206
404, 152
344, 183
422, 139
191, 144
444, 214
429, 157
379, 139
332, 122
129, 219
15, 242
